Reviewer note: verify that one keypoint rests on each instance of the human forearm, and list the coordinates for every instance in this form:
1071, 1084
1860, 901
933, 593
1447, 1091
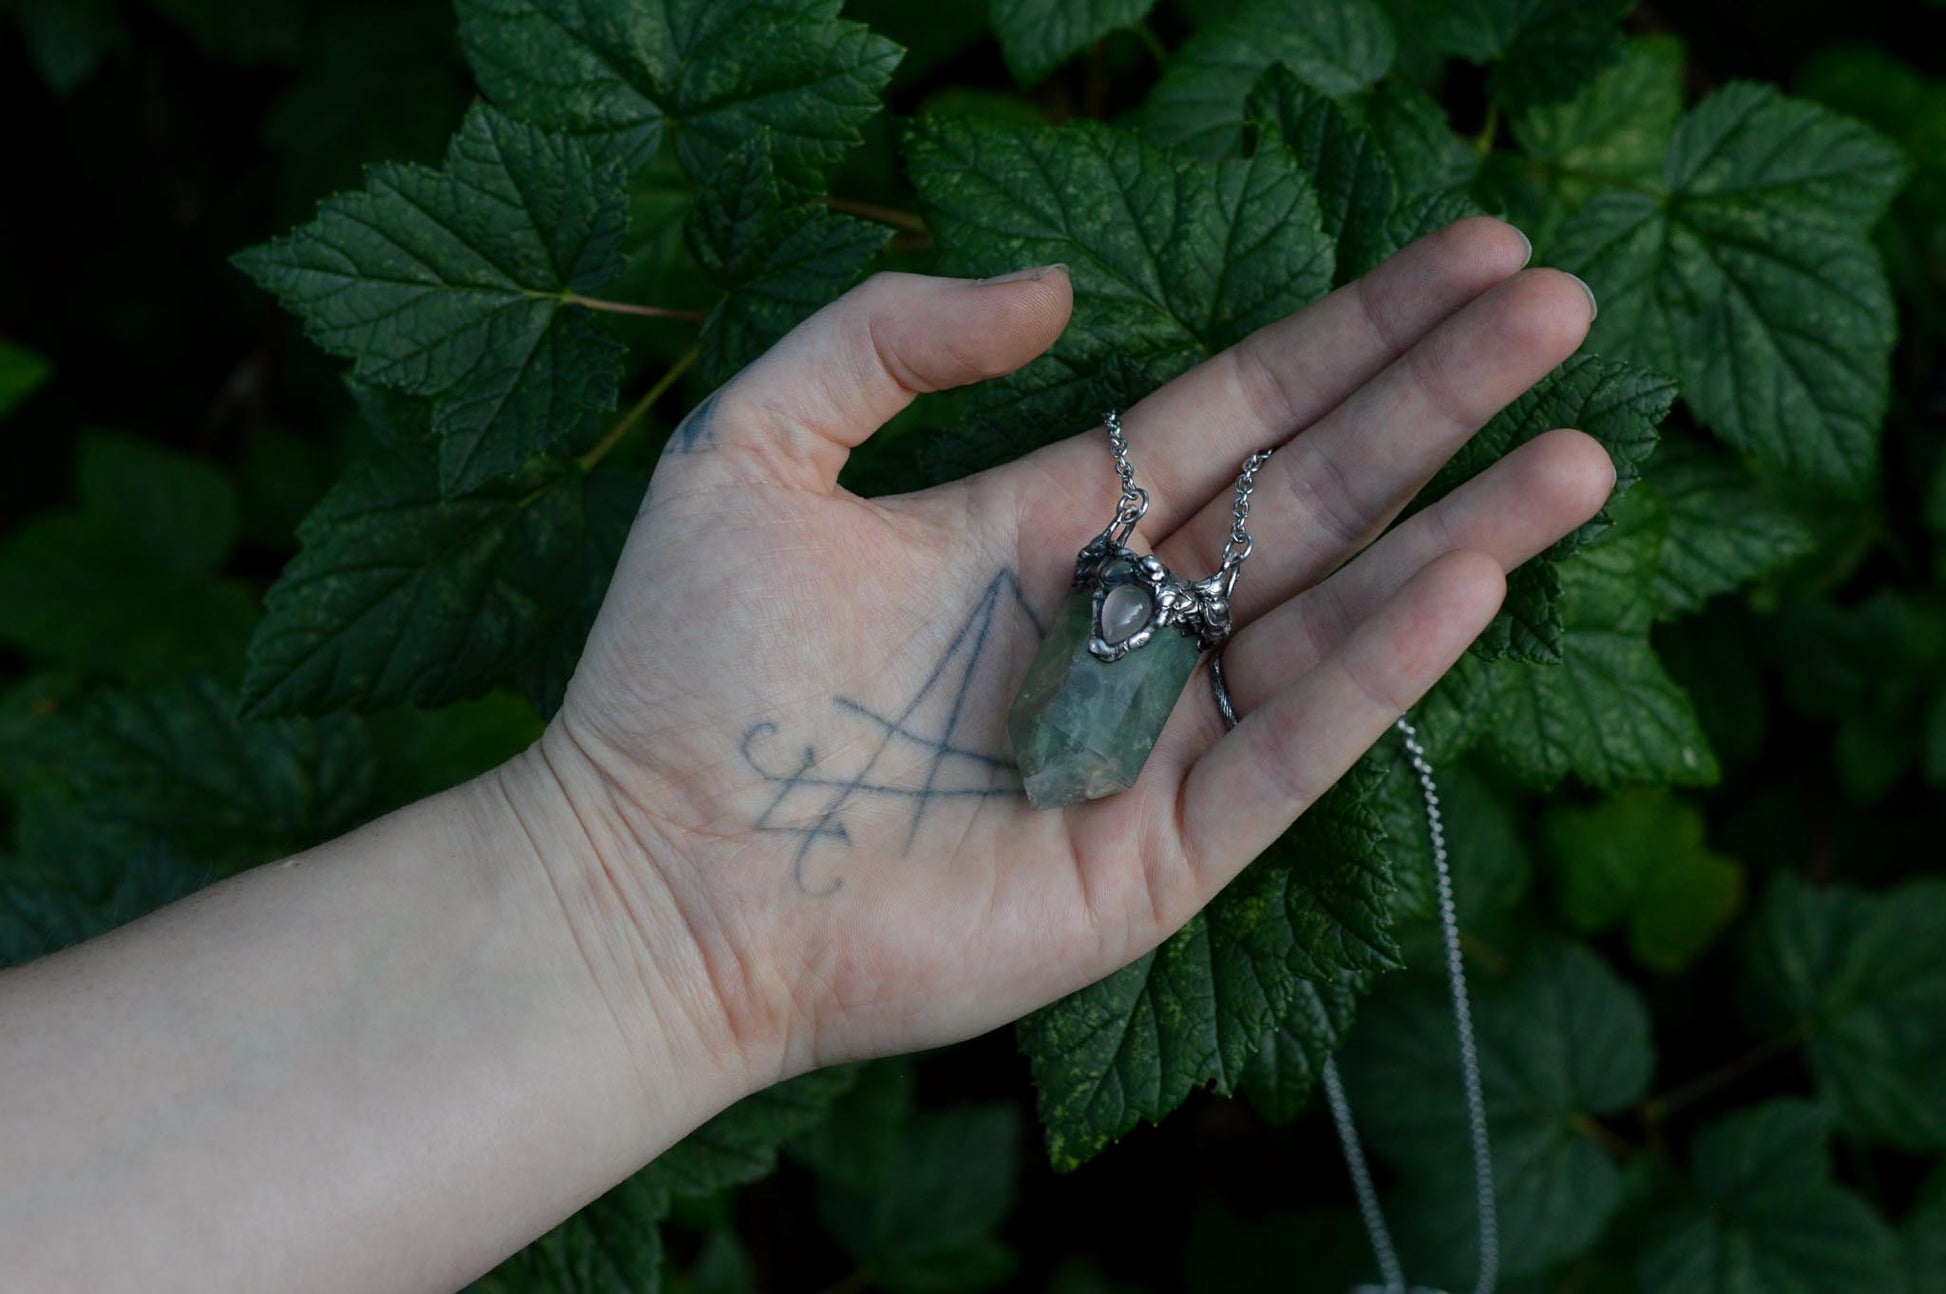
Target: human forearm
381, 1064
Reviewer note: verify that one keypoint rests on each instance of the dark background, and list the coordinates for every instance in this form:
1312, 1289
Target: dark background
208, 125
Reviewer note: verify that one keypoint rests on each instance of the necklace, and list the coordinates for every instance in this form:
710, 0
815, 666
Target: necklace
1103, 683
1120, 651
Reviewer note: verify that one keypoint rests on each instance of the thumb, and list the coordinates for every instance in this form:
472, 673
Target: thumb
838, 376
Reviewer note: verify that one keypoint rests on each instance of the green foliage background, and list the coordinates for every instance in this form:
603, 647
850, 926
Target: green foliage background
266, 575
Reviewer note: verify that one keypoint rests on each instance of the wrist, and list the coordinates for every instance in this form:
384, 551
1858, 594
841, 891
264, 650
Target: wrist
608, 891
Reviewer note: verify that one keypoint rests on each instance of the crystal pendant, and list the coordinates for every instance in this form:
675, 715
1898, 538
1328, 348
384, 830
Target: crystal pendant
1107, 675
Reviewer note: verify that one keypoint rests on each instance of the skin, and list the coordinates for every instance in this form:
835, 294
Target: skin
774, 825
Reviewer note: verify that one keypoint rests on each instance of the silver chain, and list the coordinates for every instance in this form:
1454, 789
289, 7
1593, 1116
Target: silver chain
1469, 1053
1135, 500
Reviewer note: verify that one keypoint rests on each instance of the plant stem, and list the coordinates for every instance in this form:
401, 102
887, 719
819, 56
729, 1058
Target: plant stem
639, 409
630, 308
1483, 142
1151, 42
1658, 1109
873, 211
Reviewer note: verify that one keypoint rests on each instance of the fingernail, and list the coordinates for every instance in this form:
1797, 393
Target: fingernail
1528, 242
1027, 275
1594, 306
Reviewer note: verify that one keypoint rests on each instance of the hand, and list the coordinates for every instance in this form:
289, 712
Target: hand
785, 746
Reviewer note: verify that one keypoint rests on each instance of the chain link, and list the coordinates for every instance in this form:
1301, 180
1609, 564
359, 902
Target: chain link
1135, 500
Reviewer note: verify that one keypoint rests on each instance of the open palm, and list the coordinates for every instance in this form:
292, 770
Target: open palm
787, 738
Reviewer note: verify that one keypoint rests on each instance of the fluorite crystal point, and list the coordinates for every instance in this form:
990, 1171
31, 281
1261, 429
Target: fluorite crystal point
1082, 727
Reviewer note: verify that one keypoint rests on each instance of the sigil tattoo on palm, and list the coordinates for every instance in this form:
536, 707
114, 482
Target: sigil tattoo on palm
930, 748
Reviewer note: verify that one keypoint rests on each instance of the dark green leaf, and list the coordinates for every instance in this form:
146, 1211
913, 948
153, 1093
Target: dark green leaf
1483, 829
1619, 405
182, 510
1528, 627
857, 1143
68, 38
1642, 858
708, 72
1412, 128
178, 768
930, 1229
1608, 713
380, 81
74, 879
1333, 46
1540, 50
1925, 1239
22, 372
124, 586
1315, 907
402, 595
613, 1246
1561, 1040
741, 1144
454, 284
1355, 184
1753, 279
1859, 975
1037, 36
1171, 260
1280, 1076
1767, 1218
1614, 132
776, 261
1726, 526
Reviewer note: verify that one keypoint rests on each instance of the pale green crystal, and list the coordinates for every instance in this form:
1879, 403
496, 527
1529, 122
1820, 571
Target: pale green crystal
1082, 727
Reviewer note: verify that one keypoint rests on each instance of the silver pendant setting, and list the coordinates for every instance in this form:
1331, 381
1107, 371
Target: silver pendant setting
1136, 597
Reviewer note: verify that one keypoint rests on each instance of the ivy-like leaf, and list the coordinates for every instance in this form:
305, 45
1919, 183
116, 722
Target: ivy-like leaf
400, 594
1859, 974
1037, 36
1642, 858
777, 261
1754, 281
1171, 260
1133, 1046
929, 1227
1726, 526
708, 72
1333, 46
1767, 1218
1561, 1040
454, 284
1539, 50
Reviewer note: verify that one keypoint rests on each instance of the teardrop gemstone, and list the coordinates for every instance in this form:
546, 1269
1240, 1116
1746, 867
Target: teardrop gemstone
1124, 611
